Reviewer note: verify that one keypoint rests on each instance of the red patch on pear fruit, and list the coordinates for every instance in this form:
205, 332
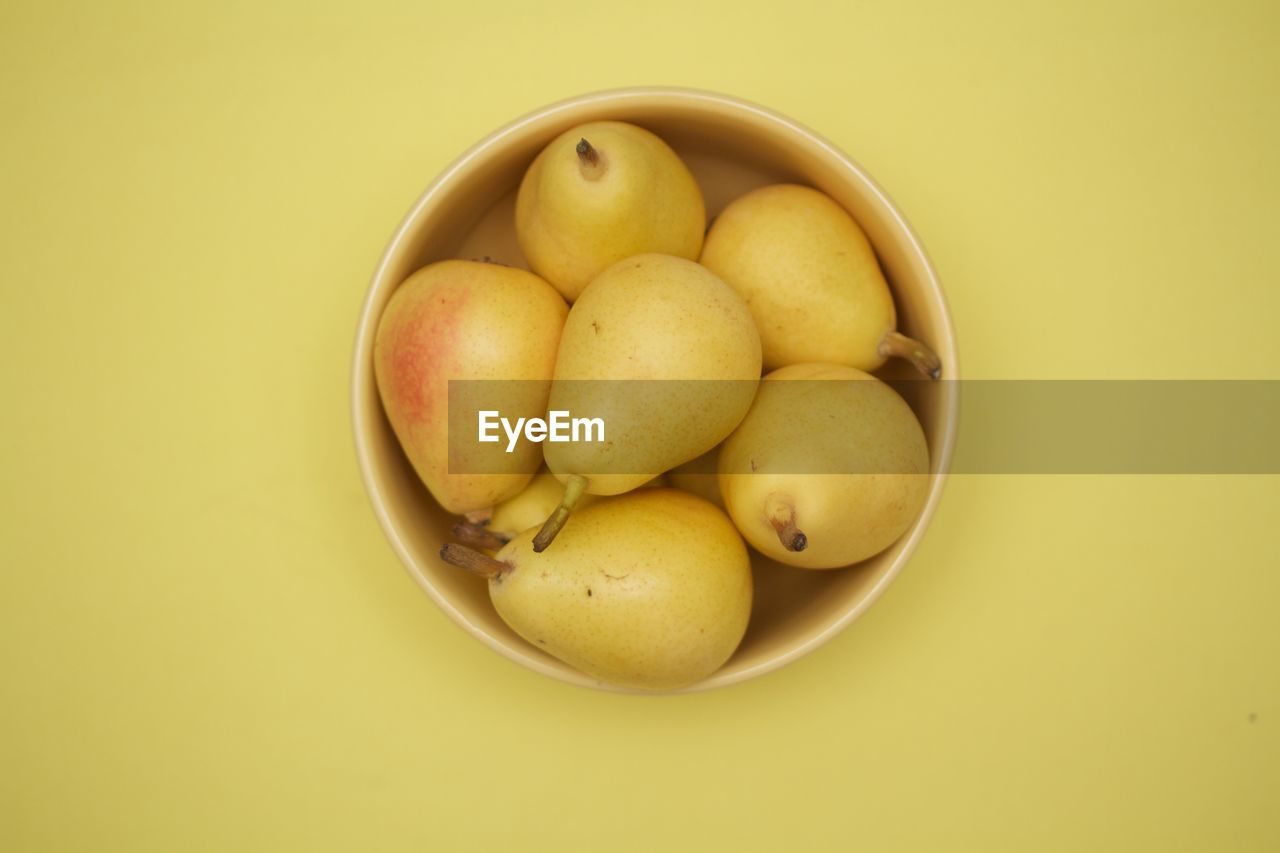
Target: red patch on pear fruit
418, 344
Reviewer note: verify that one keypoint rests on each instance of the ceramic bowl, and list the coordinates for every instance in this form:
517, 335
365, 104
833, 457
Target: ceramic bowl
731, 146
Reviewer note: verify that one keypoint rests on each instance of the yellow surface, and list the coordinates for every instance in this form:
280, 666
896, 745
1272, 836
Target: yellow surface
206, 643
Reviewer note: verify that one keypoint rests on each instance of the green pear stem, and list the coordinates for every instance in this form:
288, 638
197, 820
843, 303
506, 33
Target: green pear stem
589, 160
573, 489
477, 536
898, 345
473, 561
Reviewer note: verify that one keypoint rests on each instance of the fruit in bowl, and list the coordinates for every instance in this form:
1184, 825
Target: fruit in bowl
650, 590
443, 325
630, 330
669, 356
601, 192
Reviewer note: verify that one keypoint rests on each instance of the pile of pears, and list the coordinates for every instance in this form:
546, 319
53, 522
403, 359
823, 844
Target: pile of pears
593, 552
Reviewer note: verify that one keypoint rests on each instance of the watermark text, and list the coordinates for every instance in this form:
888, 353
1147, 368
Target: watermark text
558, 427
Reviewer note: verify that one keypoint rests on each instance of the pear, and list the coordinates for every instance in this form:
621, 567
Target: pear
811, 279
649, 590
453, 320
529, 509
669, 322
517, 514
601, 192
829, 467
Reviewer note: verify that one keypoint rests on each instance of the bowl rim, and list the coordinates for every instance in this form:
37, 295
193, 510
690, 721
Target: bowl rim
361, 378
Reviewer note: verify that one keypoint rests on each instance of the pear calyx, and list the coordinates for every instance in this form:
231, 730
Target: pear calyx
573, 489
473, 561
479, 516
898, 345
589, 160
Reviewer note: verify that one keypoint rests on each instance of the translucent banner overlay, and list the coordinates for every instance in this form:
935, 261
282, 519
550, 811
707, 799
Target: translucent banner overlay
1005, 426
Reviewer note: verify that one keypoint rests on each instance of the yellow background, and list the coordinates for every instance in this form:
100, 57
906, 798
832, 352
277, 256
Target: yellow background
207, 644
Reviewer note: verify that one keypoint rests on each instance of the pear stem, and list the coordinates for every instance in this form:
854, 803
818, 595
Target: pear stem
589, 160
573, 489
898, 345
473, 561
478, 537
782, 515
789, 535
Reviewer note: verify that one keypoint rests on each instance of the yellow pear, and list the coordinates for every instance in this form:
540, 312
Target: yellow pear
649, 590
528, 509
667, 357
810, 276
829, 467
601, 192
466, 320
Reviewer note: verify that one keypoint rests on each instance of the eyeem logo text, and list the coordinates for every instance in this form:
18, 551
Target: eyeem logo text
558, 427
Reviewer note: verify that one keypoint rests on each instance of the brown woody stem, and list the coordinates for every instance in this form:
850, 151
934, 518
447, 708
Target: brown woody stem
589, 160
898, 345
789, 535
473, 561
781, 512
573, 489
478, 537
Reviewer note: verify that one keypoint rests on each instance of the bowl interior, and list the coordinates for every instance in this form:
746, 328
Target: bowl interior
731, 147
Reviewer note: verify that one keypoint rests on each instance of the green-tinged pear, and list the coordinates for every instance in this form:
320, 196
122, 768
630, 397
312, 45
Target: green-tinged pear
667, 357
828, 468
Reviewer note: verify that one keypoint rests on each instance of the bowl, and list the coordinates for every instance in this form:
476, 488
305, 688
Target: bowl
731, 146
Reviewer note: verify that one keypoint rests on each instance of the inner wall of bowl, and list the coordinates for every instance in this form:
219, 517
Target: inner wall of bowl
730, 151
